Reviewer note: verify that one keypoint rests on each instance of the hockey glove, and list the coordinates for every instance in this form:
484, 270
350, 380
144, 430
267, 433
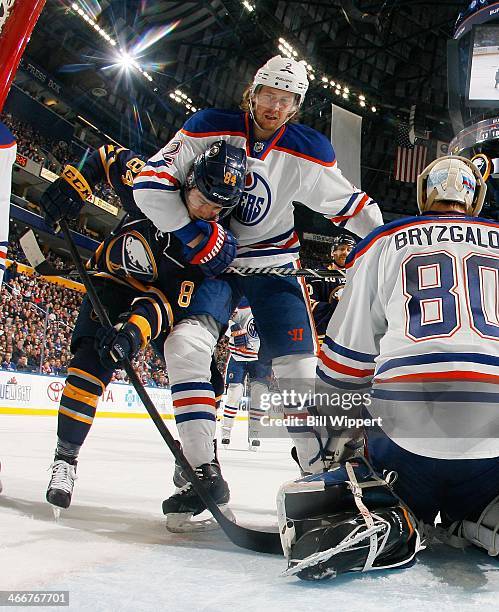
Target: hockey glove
115, 344
64, 199
215, 252
239, 336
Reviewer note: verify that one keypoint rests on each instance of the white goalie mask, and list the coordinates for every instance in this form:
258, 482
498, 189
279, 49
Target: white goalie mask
451, 179
283, 73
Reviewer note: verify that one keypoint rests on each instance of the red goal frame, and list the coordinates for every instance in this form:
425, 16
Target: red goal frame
17, 20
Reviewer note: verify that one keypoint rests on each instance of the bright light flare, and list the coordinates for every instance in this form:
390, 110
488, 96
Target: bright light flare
152, 36
126, 61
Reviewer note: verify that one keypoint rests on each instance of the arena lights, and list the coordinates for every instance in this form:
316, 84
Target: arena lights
124, 59
287, 50
340, 90
92, 23
181, 98
248, 6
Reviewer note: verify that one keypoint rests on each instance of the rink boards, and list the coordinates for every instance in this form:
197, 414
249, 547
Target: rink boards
34, 394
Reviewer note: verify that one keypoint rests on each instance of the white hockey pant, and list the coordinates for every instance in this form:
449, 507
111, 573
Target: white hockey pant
188, 351
233, 399
257, 389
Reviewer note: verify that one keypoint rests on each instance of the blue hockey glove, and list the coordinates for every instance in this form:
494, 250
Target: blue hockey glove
60, 201
115, 345
215, 252
239, 336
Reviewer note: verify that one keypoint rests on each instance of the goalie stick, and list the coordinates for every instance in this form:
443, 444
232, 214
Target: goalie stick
38, 261
244, 537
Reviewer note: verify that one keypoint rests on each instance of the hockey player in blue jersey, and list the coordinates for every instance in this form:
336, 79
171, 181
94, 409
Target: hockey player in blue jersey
146, 278
418, 324
325, 293
287, 162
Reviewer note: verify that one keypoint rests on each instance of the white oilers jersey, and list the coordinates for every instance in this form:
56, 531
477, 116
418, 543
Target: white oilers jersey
8, 149
243, 319
296, 165
419, 319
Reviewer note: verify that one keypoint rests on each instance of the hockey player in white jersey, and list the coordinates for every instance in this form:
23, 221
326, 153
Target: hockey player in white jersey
243, 364
419, 322
287, 162
8, 149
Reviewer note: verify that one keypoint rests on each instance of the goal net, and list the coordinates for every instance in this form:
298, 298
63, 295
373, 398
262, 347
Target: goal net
17, 20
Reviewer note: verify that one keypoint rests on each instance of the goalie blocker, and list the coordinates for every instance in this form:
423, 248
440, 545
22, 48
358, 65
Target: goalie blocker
345, 520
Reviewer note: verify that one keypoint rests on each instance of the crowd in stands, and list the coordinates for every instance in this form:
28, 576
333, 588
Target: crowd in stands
36, 322
16, 254
29, 141
315, 254
22, 316
54, 155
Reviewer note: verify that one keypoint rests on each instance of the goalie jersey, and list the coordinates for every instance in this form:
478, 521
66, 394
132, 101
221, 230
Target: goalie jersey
419, 320
297, 164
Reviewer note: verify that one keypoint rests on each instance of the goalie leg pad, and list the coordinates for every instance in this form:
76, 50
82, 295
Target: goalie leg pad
347, 519
484, 533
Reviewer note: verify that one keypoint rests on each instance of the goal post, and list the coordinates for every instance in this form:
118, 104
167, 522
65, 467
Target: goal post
17, 20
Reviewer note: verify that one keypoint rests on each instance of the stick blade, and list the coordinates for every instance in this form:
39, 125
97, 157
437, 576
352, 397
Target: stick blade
31, 249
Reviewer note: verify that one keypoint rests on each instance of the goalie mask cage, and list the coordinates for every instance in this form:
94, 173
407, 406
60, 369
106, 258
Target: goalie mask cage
17, 20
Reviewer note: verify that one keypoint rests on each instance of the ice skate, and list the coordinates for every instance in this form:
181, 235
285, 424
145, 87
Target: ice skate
185, 504
225, 438
61, 483
254, 444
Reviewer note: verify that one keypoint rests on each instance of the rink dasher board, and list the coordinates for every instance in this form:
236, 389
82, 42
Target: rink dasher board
35, 394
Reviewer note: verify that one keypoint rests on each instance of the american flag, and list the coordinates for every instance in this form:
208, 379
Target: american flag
410, 159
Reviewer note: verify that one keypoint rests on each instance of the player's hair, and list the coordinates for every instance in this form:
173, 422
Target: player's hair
245, 102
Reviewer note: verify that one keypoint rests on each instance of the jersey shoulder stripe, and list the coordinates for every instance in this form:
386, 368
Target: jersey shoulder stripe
399, 224
215, 122
7, 139
433, 358
349, 353
307, 143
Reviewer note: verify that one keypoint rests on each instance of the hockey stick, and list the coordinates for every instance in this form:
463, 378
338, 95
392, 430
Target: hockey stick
273, 271
38, 261
251, 539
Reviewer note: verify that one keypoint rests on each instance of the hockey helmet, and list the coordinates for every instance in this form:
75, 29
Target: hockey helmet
343, 239
451, 178
219, 173
283, 73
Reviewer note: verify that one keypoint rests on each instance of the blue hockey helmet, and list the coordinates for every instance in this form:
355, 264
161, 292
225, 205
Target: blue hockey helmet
341, 240
219, 173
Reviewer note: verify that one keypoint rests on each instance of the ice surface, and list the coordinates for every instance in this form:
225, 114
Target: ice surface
111, 551
483, 78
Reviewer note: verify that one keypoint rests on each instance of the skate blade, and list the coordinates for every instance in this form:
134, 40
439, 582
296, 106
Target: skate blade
186, 523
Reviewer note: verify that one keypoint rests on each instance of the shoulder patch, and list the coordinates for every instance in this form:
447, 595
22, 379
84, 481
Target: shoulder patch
308, 143
212, 121
7, 139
